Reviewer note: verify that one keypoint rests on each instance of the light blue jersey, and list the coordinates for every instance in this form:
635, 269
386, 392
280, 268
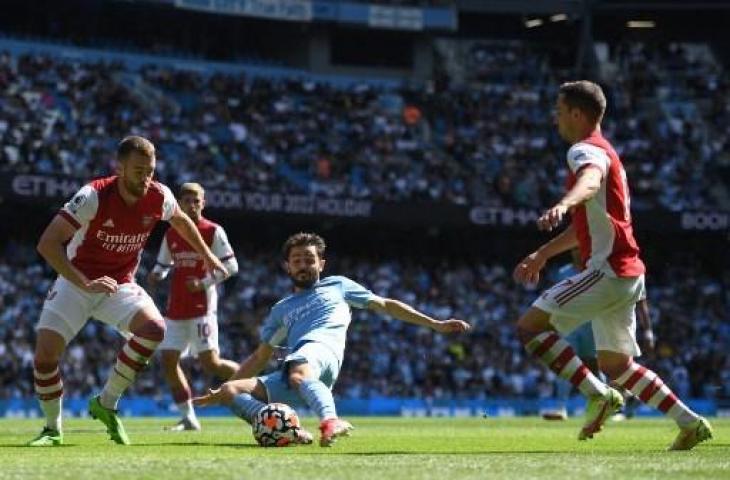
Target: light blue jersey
319, 314
312, 324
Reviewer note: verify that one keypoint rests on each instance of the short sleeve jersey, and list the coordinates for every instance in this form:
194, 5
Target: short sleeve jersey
175, 252
603, 223
318, 314
110, 234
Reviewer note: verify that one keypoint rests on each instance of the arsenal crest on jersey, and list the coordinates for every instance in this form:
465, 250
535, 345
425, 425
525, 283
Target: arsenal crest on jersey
147, 220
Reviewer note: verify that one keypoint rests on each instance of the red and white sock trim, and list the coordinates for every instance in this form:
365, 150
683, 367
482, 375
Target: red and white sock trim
560, 357
48, 386
134, 356
652, 390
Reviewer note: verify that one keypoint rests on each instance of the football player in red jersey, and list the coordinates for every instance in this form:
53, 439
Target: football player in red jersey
610, 285
191, 318
94, 244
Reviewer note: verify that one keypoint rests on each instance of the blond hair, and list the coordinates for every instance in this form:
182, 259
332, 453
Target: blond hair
192, 187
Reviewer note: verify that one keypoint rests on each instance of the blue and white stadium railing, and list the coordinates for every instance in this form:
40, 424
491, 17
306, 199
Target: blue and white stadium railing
390, 406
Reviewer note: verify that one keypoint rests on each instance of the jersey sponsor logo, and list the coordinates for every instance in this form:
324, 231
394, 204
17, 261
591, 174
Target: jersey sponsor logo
122, 242
186, 259
108, 224
77, 202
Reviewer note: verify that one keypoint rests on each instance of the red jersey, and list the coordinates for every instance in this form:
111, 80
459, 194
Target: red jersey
603, 223
110, 234
175, 252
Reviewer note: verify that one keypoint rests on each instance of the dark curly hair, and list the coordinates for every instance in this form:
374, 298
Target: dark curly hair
303, 239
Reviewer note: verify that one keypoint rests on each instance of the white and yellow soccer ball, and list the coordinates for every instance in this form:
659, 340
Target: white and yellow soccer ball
276, 425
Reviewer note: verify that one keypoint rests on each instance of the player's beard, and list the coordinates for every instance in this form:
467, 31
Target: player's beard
304, 281
138, 190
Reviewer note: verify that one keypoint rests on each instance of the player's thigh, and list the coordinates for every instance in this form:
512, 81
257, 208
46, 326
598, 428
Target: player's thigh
615, 331
277, 389
66, 309
119, 309
321, 361
578, 299
568, 326
582, 341
178, 334
204, 334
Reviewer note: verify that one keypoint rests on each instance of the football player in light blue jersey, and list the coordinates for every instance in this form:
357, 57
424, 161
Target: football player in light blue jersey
312, 322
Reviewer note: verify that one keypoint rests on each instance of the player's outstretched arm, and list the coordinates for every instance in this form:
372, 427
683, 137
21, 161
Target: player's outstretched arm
52, 248
255, 362
528, 270
408, 314
187, 229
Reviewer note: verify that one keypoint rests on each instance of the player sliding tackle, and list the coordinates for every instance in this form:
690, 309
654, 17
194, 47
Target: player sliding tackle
312, 322
106, 225
609, 287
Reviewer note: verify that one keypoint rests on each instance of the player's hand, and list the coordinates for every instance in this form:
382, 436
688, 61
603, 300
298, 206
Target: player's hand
528, 270
215, 267
102, 285
194, 285
452, 325
216, 396
552, 217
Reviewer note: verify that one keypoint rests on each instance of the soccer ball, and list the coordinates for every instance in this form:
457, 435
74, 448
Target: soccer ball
276, 425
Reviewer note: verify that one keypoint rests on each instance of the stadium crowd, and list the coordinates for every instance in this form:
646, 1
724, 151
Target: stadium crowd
488, 140
387, 357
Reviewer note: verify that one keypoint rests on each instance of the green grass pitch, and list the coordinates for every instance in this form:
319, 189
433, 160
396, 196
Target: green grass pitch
380, 449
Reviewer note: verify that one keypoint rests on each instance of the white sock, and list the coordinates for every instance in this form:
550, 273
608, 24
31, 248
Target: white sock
113, 390
186, 409
49, 385
52, 410
131, 359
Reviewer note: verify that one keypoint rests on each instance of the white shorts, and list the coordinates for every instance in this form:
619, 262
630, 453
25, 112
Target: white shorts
193, 335
607, 302
67, 308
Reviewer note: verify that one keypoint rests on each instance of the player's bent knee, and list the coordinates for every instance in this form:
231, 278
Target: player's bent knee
44, 366
50, 344
533, 322
151, 328
296, 379
209, 361
613, 364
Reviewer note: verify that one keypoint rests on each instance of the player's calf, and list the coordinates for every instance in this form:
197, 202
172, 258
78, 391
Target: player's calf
132, 358
559, 356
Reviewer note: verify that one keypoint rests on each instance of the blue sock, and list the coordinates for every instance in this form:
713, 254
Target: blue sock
246, 407
319, 398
